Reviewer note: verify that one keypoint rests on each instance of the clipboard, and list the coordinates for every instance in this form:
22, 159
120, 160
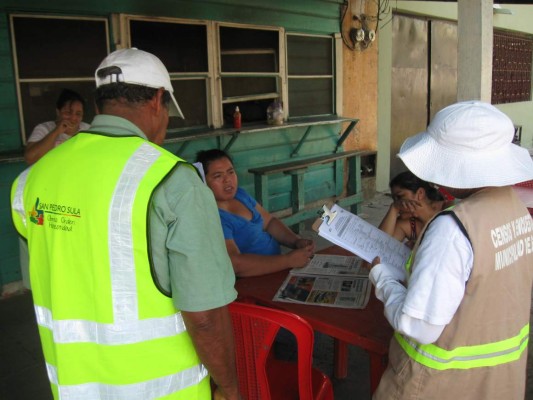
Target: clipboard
351, 232
327, 216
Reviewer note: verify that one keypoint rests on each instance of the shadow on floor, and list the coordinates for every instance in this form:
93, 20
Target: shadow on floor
22, 369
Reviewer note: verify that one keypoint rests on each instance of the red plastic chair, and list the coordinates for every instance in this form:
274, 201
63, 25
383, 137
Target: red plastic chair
261, 376
527, 184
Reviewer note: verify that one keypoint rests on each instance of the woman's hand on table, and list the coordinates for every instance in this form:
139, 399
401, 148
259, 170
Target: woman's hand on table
303, 243
299, 258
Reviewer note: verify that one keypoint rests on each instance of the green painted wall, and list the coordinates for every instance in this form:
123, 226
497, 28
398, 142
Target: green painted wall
9, 128
305, 16
313, 16
9, 257
266, 148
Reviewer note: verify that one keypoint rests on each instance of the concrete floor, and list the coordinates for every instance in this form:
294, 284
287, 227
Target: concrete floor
23, 375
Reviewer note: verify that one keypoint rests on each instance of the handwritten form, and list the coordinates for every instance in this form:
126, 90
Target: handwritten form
353, 233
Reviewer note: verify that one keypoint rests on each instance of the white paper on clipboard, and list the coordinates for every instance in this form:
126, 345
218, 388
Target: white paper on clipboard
354, 234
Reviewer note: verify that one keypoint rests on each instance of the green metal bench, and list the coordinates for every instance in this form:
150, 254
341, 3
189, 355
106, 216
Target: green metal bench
297, 169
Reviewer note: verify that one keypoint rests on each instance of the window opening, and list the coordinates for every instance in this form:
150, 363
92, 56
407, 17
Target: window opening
511, 68
79, 45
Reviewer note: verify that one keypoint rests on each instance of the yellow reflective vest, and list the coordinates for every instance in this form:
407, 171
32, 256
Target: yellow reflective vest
107, 332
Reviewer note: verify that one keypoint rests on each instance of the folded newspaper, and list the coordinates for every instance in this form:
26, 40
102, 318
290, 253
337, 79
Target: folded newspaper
328, 280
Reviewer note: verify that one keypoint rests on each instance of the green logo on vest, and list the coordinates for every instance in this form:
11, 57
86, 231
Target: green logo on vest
36, 214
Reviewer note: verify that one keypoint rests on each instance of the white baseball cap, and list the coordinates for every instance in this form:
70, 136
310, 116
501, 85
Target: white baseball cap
468, 145
140, 68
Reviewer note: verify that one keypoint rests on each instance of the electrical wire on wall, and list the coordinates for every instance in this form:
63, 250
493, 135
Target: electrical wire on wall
363, 27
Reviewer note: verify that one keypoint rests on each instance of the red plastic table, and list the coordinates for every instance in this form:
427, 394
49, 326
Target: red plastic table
365, 328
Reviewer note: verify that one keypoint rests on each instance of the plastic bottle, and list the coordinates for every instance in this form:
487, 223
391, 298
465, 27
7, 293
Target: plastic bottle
275, 113
237, 118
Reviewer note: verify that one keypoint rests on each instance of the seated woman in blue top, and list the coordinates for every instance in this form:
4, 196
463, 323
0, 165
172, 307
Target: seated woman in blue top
253, 236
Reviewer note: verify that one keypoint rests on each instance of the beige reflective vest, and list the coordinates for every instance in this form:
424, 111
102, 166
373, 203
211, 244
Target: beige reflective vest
481, 354
107, 332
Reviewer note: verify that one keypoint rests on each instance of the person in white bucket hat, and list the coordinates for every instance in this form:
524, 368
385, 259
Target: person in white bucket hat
129, 270
461, 307
468, 145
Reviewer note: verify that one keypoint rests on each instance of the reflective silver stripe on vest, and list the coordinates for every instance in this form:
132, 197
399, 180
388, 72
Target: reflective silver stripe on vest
18, 201
152, 389
127, 332
126, 328
417, 347
123, 286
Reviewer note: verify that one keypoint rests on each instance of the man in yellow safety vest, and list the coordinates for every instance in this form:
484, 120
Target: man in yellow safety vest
128, 266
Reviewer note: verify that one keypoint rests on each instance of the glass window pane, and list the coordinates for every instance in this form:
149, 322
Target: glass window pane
310, 97
248, 42
58, 47
39, 101
308, 55
240, 86
194, 107
259, 61
181, 47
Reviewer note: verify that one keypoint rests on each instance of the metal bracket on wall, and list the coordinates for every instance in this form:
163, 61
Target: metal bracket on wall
340, 141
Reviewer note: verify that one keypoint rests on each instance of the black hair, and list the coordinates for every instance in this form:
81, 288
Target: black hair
67, 96
127, 91
408, 180
207, 156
